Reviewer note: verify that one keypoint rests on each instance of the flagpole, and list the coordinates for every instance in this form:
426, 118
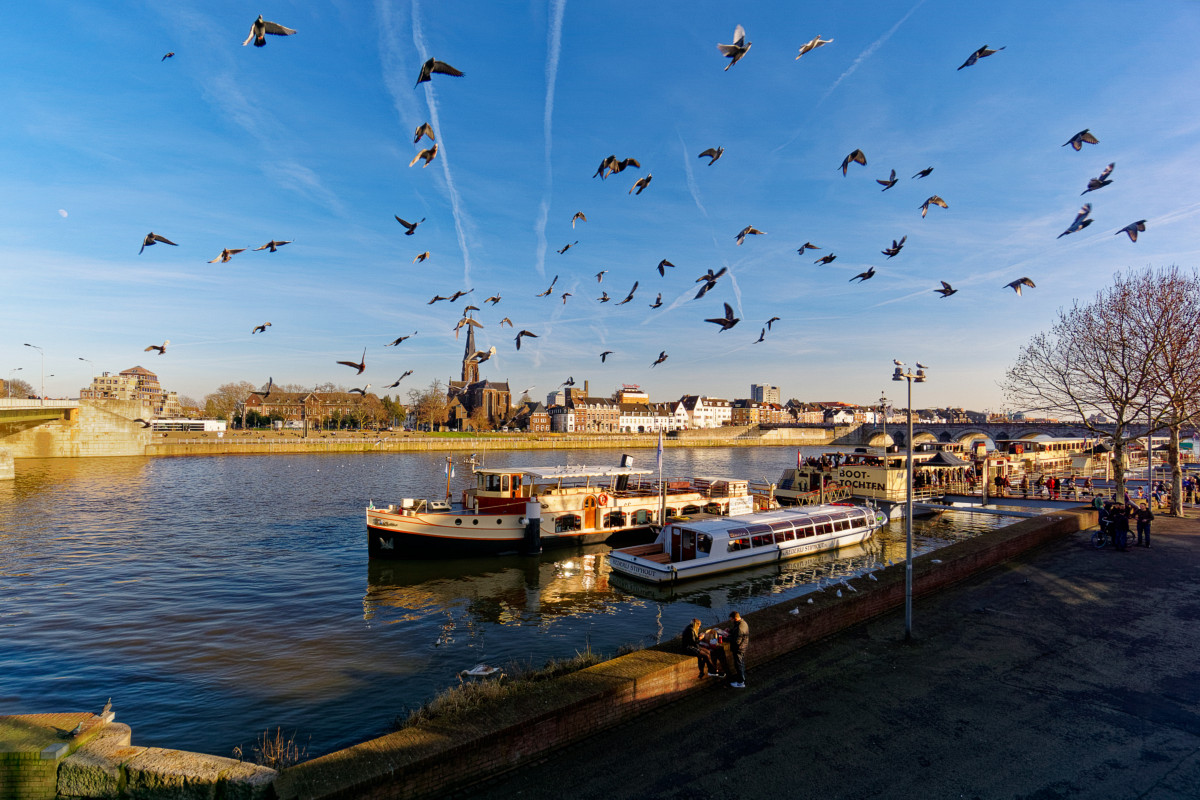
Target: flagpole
447, 479
662, 489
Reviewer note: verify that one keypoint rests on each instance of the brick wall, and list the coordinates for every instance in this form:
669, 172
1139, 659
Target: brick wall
26, 776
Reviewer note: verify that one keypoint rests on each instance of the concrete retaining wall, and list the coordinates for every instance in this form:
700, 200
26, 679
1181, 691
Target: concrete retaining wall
88, 431
437, 757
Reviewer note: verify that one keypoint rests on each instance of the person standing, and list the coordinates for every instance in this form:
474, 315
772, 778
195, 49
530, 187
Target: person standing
1144, 517
739, 642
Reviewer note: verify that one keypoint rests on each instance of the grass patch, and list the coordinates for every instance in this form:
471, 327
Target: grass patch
276, 751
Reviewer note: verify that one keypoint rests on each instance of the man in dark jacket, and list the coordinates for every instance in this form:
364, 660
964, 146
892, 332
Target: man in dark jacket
739, 642
1144, 517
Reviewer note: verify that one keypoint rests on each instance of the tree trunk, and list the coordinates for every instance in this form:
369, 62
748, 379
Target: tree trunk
1176, 468
1118, 466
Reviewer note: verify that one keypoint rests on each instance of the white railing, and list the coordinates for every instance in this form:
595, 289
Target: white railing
13, 402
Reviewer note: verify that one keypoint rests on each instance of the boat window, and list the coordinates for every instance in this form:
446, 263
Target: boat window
504, 485
825, 527
704, 543
759, 529
740, 543
493, 483
763, 539
614, 519
843, 525
781, 527
736, 532
642, 517
566, 522
806, 531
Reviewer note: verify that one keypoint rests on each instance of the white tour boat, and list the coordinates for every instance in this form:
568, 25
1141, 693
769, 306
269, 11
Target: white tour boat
693, 548
522, 509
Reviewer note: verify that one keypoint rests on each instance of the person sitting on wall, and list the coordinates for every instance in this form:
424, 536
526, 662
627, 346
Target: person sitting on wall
693, 644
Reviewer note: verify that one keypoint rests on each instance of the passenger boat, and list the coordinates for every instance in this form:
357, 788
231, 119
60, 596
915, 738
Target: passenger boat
571, 505
695, 548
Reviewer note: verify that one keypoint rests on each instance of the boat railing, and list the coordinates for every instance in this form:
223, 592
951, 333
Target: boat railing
832, 493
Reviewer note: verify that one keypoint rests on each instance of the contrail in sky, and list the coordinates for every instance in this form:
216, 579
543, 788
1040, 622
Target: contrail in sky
695, 190
555, 45
870, 51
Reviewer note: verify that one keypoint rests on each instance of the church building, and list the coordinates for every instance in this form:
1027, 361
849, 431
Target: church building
471, 393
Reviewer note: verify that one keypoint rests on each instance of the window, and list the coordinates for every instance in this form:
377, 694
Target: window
492, 483
566, 522
504, 484
615, 519
741, 543
763, 539
704, 543
805, 532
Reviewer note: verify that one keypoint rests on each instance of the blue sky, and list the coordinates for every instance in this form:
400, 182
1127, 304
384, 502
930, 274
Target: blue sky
309, 139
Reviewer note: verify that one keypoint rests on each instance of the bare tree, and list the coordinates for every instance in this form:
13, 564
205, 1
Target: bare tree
223, 403
15, 387
430, 405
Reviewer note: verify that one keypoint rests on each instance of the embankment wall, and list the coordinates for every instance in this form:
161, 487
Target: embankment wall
87, 431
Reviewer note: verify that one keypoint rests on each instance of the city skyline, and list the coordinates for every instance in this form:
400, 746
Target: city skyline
309, 140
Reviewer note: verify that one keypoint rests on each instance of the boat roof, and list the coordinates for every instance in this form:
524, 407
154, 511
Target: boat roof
794, 514
573, 471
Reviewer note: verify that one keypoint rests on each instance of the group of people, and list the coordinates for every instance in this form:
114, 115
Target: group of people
1115, 516
710, 656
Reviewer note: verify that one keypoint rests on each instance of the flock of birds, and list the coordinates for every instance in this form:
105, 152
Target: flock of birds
610, 166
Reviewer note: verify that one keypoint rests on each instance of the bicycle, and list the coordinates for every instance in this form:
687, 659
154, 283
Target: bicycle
1105, 535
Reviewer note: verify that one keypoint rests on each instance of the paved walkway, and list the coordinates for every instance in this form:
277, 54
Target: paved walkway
1070, 673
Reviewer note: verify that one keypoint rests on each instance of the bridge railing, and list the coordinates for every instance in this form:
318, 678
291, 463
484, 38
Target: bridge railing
15, 402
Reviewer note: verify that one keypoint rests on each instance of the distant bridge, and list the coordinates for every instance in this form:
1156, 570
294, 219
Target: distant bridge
18, 415
966, 432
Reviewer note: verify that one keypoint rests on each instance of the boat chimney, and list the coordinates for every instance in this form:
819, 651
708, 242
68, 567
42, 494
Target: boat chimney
623, 480
533, 528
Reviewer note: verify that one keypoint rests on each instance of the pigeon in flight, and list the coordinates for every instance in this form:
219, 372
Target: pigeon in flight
946, 290
1078, 139
362, 391
410, 227
397, 383
168, 55
923, 173
261, 27
570, 381
272, 246
549, 289
726, 322
493, 299
662, 267
772, 319
1100, 182
401, 339
227, 254
863, 277
506, 321
152, 239
578, 216
812, 44
358, 365
857, 156
826, 259
641, 183
1018, 283
657, 301
161, 348
889, 183
807, 246
933, 200
565, 295
424, 129
433, 65
421, 257
436, 298
604, 298
896, 247
709, 279
662, 356
567, 247
1081, 221
604, 356
629, 296
267, 391
982, 52
749, 230
459, 294
1133, 229
611, 165
260, 328
530, 334
735, 51
762, 335
713, 153
428, 154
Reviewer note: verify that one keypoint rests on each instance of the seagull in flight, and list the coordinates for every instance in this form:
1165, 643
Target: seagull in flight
641, 183
946, 290
397, 383
401, 339
272, 246
726, 322
428, 154
762, 336
570, 381
550, 289
161, 348
812, 44
1081, 221
709, 280
260, 27
152, 239
260, 328
227, 254
1133, 229
856, 156
1078, 139
493, 299
168, 55
772, 319
629, 296
603, 298
604, 356
424, 129
982, 52
662, 267
933, 200
410, 227
567, 247
600, 275
440, 67
662, 356
889, 183
578, 216
713, 153
506, 321
362, 391
565, 295
863, 277
358, 365
735, 51
749, 230
1018, 283
436, 298
421, 257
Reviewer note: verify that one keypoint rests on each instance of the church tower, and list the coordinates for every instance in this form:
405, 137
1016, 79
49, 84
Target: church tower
470, 367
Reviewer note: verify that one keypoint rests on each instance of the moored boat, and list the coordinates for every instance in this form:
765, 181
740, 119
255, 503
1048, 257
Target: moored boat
695, 548
522, 509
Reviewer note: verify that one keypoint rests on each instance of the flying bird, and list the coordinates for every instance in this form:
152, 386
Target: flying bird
806, 246
358, 365
401, 339
145, 423
530, 334
826, 259
933, 200
397, 383
657, 301
424, 129
604, 356
168, 55
749, 230
433, 65
436, 298
506, 321
260, 28
619, 166
428, 154
578, 215
567, 247
713, 153
863, 277
772, 319
895, 248
570, 381
480, 356
493, 299
762, 335
726, 322
709, 279
812, 44
982, 52
565, 295
1133, 229
161, 348
735, 51
1018, 283
362, 391
629, 296
641, 183
459, 294
607, 166
227, 254
946, 290
410, 227
260, 328
923, 173
1081, 221
272, 245
662, 356
889, 183
662, 267
550, 289
1100, 182
152, 239
270, 385
421, 257
1078, 139
603, 298
600, 275
857, 156
464, 322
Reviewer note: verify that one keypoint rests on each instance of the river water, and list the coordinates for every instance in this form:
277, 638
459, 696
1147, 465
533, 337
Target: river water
214, 598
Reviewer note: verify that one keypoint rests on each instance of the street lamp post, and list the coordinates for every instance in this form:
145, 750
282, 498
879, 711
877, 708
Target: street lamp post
883, 401
8, 383
42, 394
919, 377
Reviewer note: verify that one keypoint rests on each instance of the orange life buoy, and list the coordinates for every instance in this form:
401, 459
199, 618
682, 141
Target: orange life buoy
602, 499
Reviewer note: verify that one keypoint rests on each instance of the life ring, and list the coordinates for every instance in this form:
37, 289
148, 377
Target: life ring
602, 499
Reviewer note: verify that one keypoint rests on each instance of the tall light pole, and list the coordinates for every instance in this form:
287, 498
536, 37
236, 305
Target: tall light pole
883, 401
43, 372
8, 383
919, 377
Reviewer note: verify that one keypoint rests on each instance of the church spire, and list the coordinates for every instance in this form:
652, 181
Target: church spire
470, 367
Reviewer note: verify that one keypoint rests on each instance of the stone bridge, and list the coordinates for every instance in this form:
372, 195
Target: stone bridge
66, 428
967, 432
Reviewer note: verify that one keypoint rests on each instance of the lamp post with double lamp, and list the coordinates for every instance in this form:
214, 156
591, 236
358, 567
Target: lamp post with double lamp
883, 401
8, 383
42, 394
919, 376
